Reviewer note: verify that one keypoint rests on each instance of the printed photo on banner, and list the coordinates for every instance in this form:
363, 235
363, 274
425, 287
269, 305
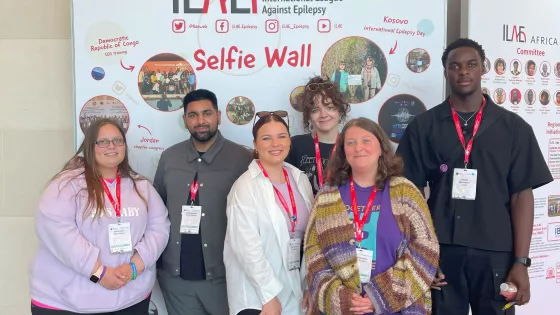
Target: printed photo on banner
487, 65
530, 67
486, 91
397, 112
295, 98
104, 106
557, 98
557, 69
358, 66
164, 80
530, 97
515, 96
499, 96
553, 206
516, 67
418, 60
545, 69
500, 66
240, 110
544, 97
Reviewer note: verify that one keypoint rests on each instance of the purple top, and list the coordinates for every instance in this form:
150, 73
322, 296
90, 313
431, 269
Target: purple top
70, 243
301, 206
381, 231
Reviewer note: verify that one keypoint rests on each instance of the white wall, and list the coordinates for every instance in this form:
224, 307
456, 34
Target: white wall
35, 128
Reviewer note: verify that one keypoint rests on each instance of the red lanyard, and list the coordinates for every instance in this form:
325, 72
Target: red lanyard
359, 223
194, 190
319, 161
116, 204
293, 215
478, 119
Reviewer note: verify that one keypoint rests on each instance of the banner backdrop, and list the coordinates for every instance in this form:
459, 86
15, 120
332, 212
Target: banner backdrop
523, 75
136, 59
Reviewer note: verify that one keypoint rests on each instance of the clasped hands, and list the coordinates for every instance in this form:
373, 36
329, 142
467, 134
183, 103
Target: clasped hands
361, 304
116, 278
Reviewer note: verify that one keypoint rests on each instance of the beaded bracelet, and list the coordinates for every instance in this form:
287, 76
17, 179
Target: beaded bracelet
134, 272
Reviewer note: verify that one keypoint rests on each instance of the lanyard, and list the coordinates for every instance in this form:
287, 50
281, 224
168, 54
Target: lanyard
194, 190
359, 223
478, 119
116, 203
293, 215
319, 161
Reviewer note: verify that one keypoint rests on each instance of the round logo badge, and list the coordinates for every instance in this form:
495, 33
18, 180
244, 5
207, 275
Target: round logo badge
443, 168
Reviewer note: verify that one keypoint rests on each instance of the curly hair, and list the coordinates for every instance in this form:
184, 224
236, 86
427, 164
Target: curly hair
463, 42
328, 90
389, 165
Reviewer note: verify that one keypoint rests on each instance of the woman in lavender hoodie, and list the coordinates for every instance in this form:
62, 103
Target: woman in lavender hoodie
101, 229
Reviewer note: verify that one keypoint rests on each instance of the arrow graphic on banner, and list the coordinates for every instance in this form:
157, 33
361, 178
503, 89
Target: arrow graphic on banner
127, 68
392, 51
140, 126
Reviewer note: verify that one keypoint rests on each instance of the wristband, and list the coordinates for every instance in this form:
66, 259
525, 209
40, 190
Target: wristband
102, 273
134, 272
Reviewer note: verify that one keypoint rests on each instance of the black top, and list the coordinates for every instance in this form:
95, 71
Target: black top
508, 159
192, 257
302, 156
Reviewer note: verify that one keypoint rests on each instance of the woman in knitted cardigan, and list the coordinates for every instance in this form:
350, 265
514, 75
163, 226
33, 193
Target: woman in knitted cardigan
384, 261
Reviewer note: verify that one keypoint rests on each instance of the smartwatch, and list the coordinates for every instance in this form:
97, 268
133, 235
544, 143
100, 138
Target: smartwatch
526, 261
96, 276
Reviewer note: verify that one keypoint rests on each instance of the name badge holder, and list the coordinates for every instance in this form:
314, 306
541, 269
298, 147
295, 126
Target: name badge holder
465, 179
120, 236
191, 215
294, 246
365, 256
319, 161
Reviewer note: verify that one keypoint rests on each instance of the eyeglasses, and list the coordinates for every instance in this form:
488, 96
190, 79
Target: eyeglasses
279, 113
103, 143
315, 86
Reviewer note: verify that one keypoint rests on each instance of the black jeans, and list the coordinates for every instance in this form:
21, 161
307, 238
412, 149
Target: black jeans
474, 277
249, 312
141, 308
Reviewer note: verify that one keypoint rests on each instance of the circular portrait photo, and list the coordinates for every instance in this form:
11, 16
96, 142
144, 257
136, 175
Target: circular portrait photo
530, 67
240, 110
397, 112
544, 97
104, 106
545, 69
515, 96
486, 91
499, 96
359, 67
418, 60
164, 80
98, 73
500, 66
557, 69
530, 97
295, 98
516, 67
557, 98
487, 65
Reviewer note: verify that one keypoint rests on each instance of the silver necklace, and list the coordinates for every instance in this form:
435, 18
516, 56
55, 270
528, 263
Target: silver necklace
467, 120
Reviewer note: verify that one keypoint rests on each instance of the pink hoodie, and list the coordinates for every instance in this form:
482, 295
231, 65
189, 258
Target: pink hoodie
69, 245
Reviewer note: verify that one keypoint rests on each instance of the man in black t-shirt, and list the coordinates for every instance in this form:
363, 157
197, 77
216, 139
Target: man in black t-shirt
482, 163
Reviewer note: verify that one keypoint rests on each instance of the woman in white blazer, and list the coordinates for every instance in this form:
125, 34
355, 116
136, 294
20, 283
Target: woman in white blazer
267, 209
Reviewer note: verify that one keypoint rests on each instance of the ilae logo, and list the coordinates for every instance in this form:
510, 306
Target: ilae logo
516, 35
234, 9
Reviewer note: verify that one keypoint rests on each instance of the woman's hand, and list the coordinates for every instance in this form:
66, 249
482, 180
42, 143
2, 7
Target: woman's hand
111, 281
361, 305
124, 272
307, 303
438, 281
272, 308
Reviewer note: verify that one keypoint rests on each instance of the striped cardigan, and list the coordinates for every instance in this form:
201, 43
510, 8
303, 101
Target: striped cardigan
332, 266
